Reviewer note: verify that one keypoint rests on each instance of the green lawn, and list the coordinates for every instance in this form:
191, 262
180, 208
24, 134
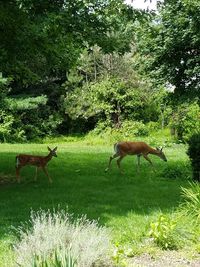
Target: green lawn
126, 203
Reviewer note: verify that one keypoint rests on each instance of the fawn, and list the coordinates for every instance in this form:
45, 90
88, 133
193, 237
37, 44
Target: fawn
38, 161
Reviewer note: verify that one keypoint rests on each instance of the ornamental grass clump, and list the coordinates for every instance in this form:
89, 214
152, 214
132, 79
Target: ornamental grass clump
50, 234
191, 203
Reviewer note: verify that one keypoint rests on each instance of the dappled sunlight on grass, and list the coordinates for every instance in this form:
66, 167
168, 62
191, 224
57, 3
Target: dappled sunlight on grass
82, 187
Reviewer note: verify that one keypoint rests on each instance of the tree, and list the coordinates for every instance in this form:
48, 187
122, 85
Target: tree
42, 40
169, 44
108, 88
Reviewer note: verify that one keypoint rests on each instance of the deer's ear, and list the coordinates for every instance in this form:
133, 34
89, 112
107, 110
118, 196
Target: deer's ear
49, 148
55, 148
157, 148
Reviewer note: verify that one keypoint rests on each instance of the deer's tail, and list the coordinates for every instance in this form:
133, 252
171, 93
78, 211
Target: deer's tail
16, 161
116, 148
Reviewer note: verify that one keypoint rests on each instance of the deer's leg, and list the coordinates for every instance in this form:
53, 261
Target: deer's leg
36, 173
148, 159
118, 162
111, 158
45, 171
138, 159
18, 173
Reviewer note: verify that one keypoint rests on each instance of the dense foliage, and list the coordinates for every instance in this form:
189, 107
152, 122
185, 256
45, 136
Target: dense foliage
70, 66
194, 154
40, 42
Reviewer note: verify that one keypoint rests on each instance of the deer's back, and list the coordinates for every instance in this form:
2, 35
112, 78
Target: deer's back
30, 159
133, 148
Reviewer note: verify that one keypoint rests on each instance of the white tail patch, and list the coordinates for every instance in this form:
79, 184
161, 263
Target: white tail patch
17, 162
116, 148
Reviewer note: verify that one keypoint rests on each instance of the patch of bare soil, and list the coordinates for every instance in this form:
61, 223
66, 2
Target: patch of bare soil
166, 259
7, 179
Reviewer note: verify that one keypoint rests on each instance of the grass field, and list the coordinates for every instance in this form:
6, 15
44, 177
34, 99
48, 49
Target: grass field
126, 203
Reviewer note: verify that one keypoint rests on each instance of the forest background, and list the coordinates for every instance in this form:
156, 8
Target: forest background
72, 67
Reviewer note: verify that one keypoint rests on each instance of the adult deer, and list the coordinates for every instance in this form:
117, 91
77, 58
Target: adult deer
38, 161
123, 149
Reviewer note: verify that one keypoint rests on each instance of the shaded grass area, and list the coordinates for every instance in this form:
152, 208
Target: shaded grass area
124, 202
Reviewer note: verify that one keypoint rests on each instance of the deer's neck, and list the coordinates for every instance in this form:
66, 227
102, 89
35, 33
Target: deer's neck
48, 157
153, 151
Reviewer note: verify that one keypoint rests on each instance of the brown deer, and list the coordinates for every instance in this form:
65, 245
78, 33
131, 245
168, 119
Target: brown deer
123, 149
38, 161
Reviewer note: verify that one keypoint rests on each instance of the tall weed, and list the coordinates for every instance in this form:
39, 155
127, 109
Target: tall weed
163, 232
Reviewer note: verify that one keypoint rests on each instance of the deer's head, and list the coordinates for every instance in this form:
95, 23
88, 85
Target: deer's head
161, 153
53, 151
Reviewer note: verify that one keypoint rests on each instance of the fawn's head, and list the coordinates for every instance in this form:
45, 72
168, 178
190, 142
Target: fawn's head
53, 151
161, 153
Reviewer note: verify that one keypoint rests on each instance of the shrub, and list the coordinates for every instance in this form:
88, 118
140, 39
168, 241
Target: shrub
6, 122
134, 128
87, 243
128, 130
8, 133
186, 120
153, 126
194, 155
176, 171
101, 127
25, 118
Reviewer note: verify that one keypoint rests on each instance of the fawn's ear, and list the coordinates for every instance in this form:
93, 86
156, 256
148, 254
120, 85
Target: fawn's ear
55, 148
49, 148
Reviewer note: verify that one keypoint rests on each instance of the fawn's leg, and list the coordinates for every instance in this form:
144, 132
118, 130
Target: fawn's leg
18, 173
36, 173
45, 171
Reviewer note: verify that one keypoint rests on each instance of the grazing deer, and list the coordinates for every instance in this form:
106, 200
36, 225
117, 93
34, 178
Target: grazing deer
38, 161
123, 149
